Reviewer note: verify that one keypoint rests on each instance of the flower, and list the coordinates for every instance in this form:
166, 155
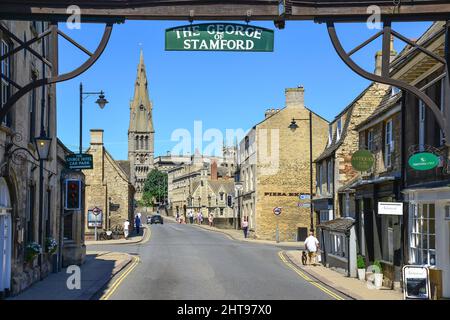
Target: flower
32, 250
50, 245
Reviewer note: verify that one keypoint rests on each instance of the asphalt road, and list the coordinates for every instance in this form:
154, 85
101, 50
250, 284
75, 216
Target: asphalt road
187, 262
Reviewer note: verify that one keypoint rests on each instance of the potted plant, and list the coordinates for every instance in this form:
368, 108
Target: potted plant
378, 274
361, 265
50, 245
31, 251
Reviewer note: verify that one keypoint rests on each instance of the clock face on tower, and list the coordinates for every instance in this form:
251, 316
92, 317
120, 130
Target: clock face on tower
141, 158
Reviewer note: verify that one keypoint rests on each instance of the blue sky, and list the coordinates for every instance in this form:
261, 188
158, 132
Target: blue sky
224, 90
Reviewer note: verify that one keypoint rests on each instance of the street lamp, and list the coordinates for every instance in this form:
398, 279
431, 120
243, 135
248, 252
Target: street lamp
294, 126
238, 187
42, 144
101, 101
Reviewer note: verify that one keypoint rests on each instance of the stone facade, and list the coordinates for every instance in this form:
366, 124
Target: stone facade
108, 187
275, 169
140, 132
21, 220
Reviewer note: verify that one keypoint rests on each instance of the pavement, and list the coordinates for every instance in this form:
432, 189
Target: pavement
133, 238
346, 286
239, 235
187, 262
99, 268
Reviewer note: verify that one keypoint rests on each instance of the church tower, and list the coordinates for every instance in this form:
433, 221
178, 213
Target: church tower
140, 131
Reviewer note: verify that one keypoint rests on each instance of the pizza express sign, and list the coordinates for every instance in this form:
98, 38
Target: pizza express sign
219, 37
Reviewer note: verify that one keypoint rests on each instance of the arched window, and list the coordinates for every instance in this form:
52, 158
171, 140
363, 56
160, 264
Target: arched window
136, 143
146, 142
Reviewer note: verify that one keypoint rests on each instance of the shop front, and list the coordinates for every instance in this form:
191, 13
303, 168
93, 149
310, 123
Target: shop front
379, 224
429, 235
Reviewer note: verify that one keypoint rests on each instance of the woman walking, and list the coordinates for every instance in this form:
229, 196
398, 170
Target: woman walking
245, 227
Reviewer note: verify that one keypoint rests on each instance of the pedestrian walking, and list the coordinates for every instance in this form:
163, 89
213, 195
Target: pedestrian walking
126, 226
191, 217
138, 224
245, 227
178, 217
210, 219
311, 246
200, 218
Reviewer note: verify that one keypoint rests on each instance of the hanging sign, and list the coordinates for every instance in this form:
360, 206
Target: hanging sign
423, 161
219, 37
390, 208
79, 161
362, 160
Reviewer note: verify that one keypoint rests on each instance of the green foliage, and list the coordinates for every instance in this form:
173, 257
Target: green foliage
360, 262
155, 188
377, 265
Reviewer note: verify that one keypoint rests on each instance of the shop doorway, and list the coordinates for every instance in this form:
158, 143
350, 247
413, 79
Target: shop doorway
5, 237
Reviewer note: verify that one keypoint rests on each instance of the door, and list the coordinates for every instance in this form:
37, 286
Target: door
5, 237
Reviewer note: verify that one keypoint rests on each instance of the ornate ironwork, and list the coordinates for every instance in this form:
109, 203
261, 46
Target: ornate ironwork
441, 152
385, 77
54, 32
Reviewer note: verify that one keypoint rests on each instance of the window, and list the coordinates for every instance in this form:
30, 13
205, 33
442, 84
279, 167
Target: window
221, 196
320, 177
338, 244
329, 175
421, 126
32, 115
5, 87
339, 129
441, 107
394, 91
370, 140
389, 144
48, 214
330, 134
30, 218
423, 234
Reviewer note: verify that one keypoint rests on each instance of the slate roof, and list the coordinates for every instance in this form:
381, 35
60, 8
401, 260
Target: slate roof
339, 224
228, 186
125, 166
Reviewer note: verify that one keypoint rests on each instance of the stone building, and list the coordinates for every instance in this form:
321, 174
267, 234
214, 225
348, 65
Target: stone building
275, 171
108, 187
182, 178
25, 216
140, 132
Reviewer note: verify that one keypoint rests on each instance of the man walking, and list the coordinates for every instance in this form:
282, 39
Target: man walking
210, 220
311, 246
138, 224
191, 217
126, 225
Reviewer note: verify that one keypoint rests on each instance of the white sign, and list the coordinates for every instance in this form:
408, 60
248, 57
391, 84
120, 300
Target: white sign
391, 208
277, 211
304, 205
416, 282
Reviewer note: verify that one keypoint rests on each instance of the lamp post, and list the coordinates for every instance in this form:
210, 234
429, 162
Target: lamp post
101, 101
294, 126
238, 187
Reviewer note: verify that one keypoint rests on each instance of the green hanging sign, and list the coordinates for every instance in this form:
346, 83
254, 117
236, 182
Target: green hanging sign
362, 160
423, 161
219, 37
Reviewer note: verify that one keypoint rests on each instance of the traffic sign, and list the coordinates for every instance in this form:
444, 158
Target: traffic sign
96, 211
277, 211
79, 161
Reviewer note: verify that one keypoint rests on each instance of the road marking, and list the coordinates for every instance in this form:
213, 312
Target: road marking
116, 284
308, 279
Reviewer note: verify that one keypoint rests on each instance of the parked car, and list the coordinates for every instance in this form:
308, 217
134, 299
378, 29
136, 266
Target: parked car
156, 219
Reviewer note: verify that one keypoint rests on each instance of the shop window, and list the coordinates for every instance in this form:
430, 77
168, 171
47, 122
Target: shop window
423, 234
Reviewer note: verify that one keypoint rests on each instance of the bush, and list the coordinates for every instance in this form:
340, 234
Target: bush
377, 267
32, 250
360, 262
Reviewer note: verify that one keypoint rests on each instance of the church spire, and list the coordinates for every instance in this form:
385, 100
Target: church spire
141, 107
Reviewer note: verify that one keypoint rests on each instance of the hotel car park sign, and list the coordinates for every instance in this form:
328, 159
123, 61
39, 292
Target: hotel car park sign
219, 37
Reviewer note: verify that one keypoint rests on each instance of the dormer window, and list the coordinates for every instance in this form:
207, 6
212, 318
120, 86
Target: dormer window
338, 129
330, 134
394, 91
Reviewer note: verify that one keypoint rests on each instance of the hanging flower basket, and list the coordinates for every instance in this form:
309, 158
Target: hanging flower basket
50, 245
32, 250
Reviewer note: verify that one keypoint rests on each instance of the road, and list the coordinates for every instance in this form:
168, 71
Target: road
187, 262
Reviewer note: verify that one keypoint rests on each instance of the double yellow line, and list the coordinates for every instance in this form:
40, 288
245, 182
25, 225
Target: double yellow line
119, 280
311, 281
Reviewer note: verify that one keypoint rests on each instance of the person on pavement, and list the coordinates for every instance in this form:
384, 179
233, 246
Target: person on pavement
245, 227
138, 224
126, 226
311, 246
210, 220
191, 217
200, 218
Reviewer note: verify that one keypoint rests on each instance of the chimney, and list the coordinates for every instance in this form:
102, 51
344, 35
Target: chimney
214, 170
97, 136
379, 58
295, 97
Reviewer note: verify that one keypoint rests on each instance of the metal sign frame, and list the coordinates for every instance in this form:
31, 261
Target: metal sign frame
405, 283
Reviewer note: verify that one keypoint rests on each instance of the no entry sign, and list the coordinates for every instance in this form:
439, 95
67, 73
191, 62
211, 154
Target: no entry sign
277, 211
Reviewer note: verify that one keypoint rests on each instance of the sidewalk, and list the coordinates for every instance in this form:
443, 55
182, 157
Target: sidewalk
97, 270
133, 238
239, 235
351, 287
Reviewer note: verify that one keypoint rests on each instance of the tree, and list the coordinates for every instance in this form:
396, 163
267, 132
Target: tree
155, 188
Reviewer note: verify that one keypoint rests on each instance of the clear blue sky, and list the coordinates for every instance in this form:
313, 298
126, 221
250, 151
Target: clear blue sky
225, 90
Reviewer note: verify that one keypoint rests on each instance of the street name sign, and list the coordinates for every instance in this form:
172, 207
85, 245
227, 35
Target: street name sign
423, 161
390, 208
79, 161
219, 37
362, 160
